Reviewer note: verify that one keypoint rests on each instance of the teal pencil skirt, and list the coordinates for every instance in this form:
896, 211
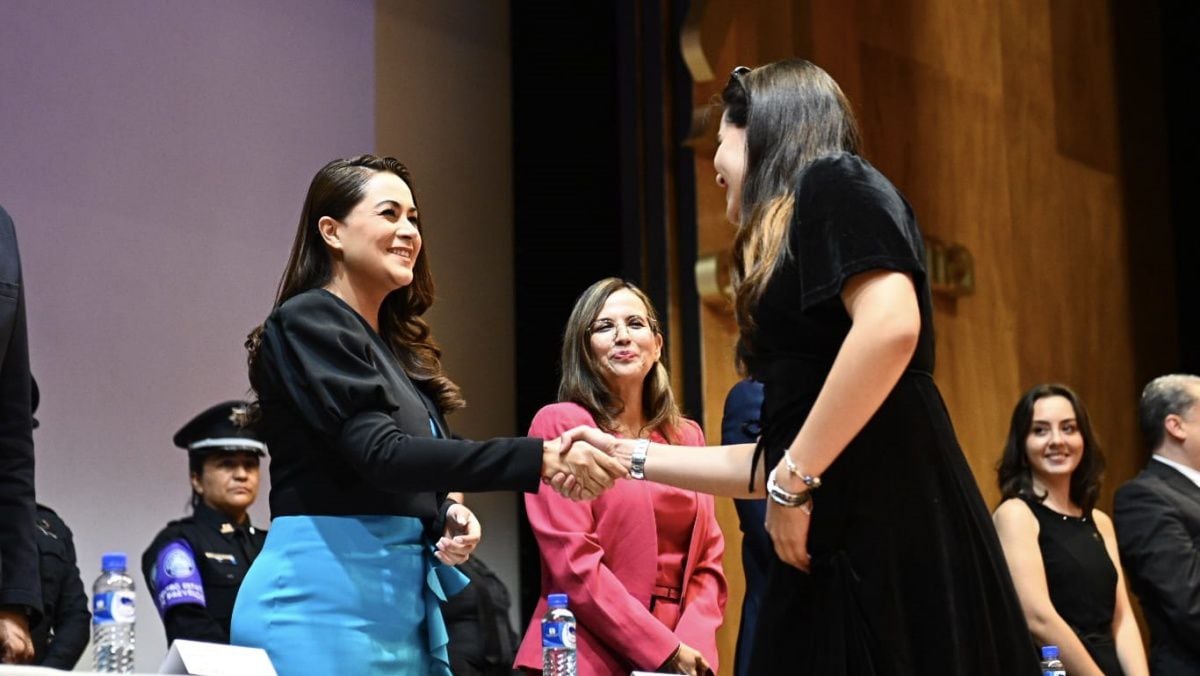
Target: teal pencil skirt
347, 595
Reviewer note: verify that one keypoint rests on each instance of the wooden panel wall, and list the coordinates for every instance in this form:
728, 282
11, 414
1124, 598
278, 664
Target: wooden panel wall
999, 122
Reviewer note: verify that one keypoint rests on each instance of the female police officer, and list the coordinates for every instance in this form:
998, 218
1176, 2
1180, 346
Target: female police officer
195, 565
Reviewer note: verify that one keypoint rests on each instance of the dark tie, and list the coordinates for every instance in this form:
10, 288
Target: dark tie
241, 536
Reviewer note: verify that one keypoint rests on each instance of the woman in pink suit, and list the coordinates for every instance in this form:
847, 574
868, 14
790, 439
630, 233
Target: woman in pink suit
641, 564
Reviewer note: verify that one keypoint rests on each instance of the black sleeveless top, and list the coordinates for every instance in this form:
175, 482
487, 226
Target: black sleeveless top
1082, 579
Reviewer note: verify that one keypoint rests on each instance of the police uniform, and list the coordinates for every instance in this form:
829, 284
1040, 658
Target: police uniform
62, 634
195, 565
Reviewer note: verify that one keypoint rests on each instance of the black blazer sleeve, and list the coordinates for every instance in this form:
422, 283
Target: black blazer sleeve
325, 362
20, 582
1161, 555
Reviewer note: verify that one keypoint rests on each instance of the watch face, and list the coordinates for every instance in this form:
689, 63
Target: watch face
637, 459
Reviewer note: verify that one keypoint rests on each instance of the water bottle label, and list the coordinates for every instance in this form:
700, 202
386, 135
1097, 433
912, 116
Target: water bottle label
1054, 672
558, 635
113, 606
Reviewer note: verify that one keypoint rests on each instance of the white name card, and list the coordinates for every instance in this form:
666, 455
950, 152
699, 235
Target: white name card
215, 659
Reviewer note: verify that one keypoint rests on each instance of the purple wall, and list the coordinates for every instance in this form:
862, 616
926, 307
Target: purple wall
154, 156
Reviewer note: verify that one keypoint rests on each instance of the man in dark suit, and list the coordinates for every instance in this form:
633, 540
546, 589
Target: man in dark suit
740, 425
20, 588
1157, 518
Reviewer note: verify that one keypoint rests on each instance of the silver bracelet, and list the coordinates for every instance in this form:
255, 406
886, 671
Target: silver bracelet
637, 459
813, 482
783, 497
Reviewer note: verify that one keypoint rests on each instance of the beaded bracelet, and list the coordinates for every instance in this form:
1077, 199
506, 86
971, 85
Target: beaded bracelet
813, 482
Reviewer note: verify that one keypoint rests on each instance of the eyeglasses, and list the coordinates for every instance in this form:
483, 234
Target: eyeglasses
633, 324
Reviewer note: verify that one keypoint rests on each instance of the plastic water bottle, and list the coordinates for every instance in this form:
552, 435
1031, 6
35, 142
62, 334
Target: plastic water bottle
558, 638
113, 612
1051, 665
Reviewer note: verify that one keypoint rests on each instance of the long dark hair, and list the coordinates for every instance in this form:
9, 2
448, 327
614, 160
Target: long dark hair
336, 189
793, 113
582, 382
1013, 473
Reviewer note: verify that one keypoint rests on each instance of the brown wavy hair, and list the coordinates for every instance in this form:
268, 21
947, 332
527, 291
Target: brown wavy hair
335, 190
793, 113
582, 382
1013, 473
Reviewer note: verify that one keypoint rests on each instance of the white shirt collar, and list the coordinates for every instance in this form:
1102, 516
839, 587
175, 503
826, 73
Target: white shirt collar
1188, 472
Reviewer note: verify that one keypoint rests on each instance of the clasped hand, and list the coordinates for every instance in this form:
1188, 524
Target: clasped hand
460, 537
687, 660
578, 464
16, 645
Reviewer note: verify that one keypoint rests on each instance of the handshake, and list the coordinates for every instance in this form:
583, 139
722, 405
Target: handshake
584, 462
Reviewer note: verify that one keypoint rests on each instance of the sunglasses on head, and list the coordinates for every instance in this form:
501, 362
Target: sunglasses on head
738, 75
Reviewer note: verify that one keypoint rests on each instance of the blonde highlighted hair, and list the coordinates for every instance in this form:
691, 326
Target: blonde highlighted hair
582, 380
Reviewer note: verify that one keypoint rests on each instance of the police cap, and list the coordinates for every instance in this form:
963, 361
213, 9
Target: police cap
215, 430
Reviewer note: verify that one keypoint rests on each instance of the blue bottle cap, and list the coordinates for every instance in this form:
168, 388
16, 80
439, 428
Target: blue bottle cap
112, 561
557, 600
1049, 652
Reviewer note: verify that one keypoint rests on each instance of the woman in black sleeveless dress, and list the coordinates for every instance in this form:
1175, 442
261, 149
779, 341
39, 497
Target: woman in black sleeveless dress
1062, 551
885, 560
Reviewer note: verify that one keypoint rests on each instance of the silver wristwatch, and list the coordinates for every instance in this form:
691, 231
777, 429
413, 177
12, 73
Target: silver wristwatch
637, 459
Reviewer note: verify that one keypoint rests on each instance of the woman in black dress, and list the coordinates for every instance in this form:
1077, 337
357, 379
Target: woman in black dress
886, 560
1063, 551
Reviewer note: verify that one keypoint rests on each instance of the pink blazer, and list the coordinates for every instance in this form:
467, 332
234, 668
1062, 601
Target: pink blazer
604, 555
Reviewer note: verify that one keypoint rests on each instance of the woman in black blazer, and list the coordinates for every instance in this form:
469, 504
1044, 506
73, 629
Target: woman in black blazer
19, 596
351, 397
